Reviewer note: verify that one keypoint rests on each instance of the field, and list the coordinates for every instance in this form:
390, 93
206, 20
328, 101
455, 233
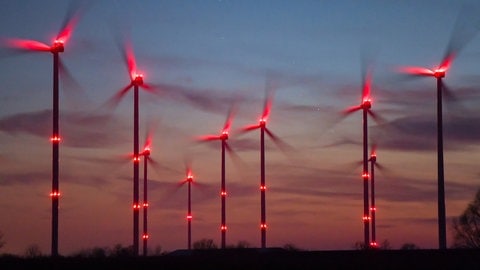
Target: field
271, 258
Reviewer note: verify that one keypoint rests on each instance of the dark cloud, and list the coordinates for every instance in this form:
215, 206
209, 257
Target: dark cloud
26, 178
77, 129
419, 132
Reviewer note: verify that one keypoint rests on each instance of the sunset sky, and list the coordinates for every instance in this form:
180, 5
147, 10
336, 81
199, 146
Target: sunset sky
224, 52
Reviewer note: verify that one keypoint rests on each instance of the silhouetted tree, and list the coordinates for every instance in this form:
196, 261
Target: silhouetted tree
359, 245
158, 251
467, 226
291, 247
243, 244
409, 246
385, 245
33, 251
121, 251
204, 244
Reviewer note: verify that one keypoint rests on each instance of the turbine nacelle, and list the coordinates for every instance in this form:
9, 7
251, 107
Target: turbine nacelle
224, 135
137, 79
366, 104
190, 178
263, 122
146, 151
439, 73
58, 46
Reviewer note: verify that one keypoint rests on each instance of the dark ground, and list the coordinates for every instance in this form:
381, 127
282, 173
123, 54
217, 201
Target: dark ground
270, 258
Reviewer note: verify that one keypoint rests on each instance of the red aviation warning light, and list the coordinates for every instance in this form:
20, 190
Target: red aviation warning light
55, 194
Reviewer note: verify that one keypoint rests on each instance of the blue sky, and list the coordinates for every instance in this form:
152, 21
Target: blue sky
224, 51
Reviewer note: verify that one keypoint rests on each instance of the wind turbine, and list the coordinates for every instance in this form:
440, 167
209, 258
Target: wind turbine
147, 150
137, 83
458, 40
365, 106
57, 47
373, 208
262, 125
223, 137
189, 181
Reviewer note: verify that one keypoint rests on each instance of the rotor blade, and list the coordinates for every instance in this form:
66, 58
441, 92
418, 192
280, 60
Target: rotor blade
75, 93
208, 138
377, 117
239, 163
187, 161
373, 151
228, 121
25, 44
453, 102
279, 142
128, 56
267, 104
69, 22
366, 69
465, 28
249, 128
416, 71
112, 103
351, 110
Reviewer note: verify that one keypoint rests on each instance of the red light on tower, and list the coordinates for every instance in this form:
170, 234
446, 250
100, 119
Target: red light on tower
263, 188
55, 139
223, 228
263, 226
189, 217
55, 194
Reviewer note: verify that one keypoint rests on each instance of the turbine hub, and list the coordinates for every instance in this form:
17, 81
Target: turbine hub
367, 104
224, 135
57, 46
439, 73
138, 80
263, 122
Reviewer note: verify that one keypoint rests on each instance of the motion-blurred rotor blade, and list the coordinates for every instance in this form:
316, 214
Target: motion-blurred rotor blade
465, 28
279, 142
416, 71
112, 103
351, 110
238, 162
208, 138
379, 119
249, 128
75, 93
25, 44
229, 119
70, 21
